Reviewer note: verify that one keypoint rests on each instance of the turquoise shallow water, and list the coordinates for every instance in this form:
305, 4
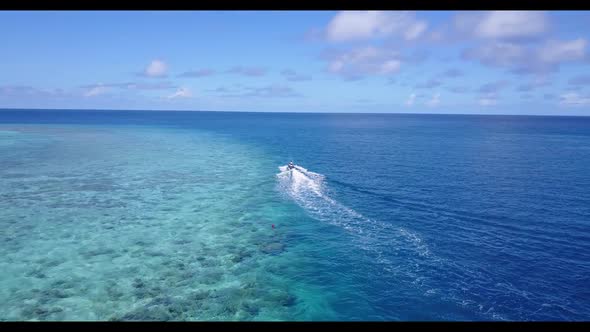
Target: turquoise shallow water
132, 223
168, 216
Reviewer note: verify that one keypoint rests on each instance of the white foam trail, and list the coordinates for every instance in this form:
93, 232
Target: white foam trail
308, 190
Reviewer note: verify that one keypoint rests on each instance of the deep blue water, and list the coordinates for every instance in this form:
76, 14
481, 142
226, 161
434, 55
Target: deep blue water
390, 217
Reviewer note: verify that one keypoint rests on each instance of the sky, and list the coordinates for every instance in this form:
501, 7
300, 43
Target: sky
468, 62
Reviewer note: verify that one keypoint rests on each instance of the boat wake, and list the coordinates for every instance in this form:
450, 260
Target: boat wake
384, 242
308, 190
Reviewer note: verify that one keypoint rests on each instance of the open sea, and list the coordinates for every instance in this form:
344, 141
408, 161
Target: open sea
145, 215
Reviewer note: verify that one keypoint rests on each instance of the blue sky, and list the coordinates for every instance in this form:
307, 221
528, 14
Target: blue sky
298, 61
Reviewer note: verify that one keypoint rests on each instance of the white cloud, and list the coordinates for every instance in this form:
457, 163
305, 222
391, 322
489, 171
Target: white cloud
488, 101
248, 71
501, 54
364, 61
573, 99
96, 90
269, 91
411, 100
511, 24
181, 93
197, 73
527, 59
389, 66
146, 86
535, 83
502, 25
355, 25
435, 101
556, 51
24, 91
492, 26
493, 87
490, 91
415, 30
156, 68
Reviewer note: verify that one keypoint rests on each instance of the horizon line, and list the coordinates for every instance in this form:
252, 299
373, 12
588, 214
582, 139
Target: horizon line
279, 112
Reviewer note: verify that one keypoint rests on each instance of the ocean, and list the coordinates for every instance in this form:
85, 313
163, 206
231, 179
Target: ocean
153, 215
